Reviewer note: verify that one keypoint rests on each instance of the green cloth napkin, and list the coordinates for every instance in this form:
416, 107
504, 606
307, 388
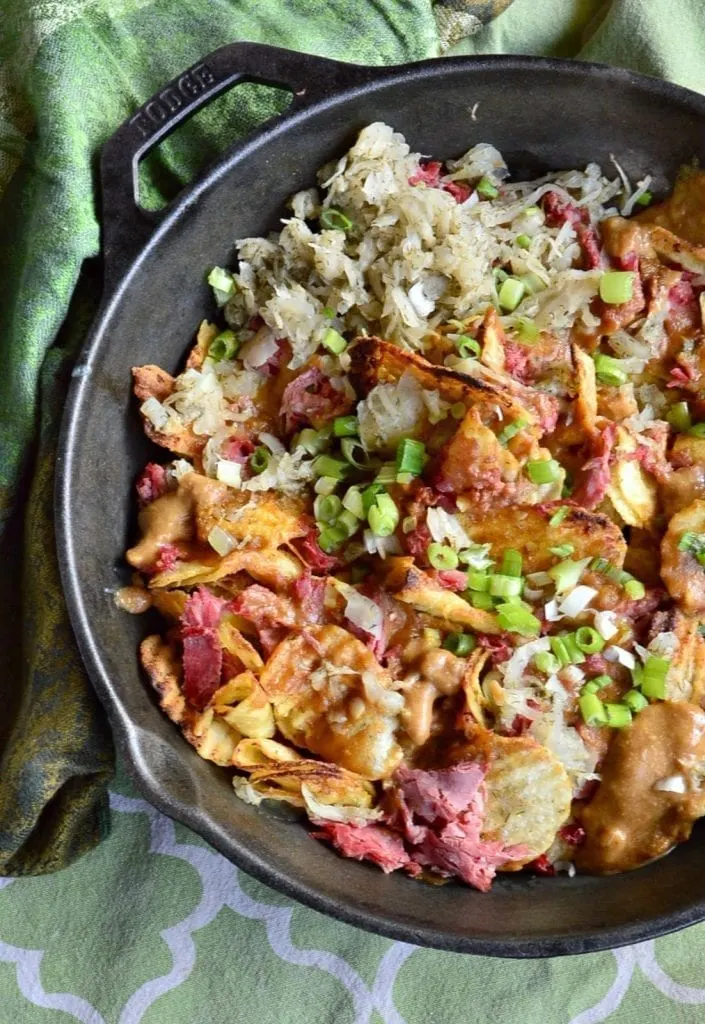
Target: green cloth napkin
153, 925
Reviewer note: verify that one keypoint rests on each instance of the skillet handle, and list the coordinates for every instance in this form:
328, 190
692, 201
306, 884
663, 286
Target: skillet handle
126, 225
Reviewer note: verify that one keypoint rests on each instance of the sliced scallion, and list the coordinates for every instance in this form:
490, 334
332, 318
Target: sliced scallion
325, 484
592, 709
354, 453
618, 715
546, 662
333, 341
335, 220
326, 508
653, 677
566, 574
486, 188
635, 701
348, 521
353, 502
589, 640
527, 330
441, 556
411, 456
511, 430
346, 426
331, 537
383, 516
460, 644
679, 417
559, 515
387, 473
480, 600
511, 293
224, 346
635, 589
512, 562
609, 370
616, 286
562, 550
523, 241
479, 581
543, 471
516, 619
467, 348
326, 465
259, 460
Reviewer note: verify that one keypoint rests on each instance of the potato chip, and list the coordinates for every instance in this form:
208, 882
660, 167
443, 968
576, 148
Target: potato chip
682, 573
329, 783
414, 587
491, 338
259, 752
475, 698
153, 382
586, 383
206, 333
270, 566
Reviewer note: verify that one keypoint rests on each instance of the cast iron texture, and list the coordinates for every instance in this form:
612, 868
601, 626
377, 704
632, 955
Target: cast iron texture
542, 115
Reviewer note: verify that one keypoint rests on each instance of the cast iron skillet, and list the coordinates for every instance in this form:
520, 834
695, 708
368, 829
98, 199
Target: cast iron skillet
542, 115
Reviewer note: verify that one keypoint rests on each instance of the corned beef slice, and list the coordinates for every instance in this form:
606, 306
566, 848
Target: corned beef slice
203, 653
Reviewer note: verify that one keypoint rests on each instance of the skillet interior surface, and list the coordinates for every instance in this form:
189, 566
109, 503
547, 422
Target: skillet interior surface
541, 115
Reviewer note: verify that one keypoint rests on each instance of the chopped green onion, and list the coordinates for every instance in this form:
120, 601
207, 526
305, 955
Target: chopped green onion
335, 220
486, 188
259, 460
348, 521
653, 678
354, 452
590, 687
331, 537
526, 329
592, 709
589, 640
559, 515
411, 456
222, 283
523, 241
693, 543
387, 473
224, 346
369, 496
576, 655
467, 347
533, 283
511, 293
618, 715
635, 589
546, 662
616, 286
326, 465
679, 417
697, 430
327, 508
516, 619
511, 430
635, 701
333, 341
460, 643
499, 275
479, 581
567, 573
609, 370
325, 485
511, 562
562, 550
312, 441
328, 312
457, 411
346, 426
505, 586
383, 516
645, 198
543, 471
353, 502
602, 681
441, 556
480, 600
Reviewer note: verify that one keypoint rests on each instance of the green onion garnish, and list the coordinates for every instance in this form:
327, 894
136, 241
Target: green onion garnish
486, 188
312, 441
602, 681
516, 619
616, 286
543, 471
387, 473
618, 715
224, 346
589, 640
565, 652
457, 411
635, 701
331, 537
589, 688
335, 220
546, 662
411, 456
259, 460
512, 562
526, 329
694, 544
326, 465
645, 198
562, 550
533, 283
369, 496
634, 589
222, 283
328, 312
567, 573
383, 516
467, 347
653, 677
441, 556
480, 600
326, 508
592, 709
505, 586
511, 430
511, 293
609, 370
348, 521
479, 581
353, 502
346, 426
460, 643
697, 430
354, 453
325, 485
559, 515
333, 341
523, 241
679, 417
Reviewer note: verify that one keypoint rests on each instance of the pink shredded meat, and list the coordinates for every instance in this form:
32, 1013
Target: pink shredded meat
151, 483
429, 174
500, 647
310, 551
202, 650
238, 449
310, 592
594, 477
559, 211
169, 555
311, 398
452, 579
365, 842
516, 361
